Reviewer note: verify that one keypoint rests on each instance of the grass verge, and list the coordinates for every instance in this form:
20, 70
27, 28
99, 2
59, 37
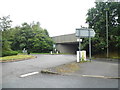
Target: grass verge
68, 68
15, 58
65, 68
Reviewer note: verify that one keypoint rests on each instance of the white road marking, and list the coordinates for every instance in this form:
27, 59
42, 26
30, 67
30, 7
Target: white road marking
97, 76
93, 76
28, 74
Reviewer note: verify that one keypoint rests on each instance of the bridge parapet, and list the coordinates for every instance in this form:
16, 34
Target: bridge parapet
69, 38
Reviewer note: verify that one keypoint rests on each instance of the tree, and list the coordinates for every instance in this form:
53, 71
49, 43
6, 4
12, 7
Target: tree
46, 32
5, 24
32, 37
96, 18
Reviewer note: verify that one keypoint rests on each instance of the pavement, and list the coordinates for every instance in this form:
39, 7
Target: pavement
110, 60
99, 68
12, 71
94, 68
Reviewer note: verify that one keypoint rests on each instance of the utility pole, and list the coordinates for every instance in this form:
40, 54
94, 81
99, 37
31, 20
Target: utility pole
107, 29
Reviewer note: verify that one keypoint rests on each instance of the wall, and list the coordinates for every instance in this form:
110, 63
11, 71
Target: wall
67, 48
69, 38
66, 43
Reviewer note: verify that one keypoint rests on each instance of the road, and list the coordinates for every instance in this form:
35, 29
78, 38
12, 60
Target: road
11, 72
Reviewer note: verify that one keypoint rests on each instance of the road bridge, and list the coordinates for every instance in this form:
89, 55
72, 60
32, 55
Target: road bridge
66, 43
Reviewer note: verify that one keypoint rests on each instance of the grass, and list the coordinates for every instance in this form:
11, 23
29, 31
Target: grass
72, 67
15, 57
113, 55
85, 61
116, 57
67, 68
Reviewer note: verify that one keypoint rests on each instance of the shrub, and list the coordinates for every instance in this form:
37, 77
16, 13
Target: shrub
9, 53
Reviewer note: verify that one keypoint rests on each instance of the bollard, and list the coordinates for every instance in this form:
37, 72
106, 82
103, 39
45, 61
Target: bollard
81, 56
50, 52
57, 52
78, 58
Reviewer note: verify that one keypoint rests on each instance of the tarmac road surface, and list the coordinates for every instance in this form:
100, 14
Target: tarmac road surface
11, 72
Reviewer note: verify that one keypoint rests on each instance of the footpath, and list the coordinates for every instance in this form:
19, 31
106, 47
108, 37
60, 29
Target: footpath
96, 68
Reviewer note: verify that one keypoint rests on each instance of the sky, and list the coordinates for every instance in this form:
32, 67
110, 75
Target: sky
59, 17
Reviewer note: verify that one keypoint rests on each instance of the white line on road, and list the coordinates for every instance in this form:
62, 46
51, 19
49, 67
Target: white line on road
93, 76
28, 74
97, 76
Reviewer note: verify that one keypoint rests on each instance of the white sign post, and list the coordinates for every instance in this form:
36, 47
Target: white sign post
84, 33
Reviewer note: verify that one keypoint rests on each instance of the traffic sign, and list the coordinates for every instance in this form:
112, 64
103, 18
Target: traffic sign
84, 32
79, 40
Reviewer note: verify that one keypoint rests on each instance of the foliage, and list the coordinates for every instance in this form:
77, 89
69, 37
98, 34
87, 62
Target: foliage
16, 57
96, 18
9, 53
5, 25
32, 37
29, 36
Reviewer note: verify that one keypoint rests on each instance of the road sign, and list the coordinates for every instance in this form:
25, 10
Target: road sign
84, 33
53, 45
79, 40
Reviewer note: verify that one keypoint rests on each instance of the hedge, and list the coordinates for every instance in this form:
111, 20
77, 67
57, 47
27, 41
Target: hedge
9, 53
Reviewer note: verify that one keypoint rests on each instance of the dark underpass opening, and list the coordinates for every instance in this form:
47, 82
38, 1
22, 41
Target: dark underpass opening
67, 48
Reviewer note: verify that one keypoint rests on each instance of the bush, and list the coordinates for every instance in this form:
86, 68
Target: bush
9, 53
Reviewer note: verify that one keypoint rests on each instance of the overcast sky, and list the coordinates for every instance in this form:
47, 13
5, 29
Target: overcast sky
57, 16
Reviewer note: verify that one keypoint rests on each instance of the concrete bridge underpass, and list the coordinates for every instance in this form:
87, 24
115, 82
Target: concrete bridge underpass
66, 43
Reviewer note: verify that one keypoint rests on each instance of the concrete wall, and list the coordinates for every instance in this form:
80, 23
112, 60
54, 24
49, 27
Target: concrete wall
67, 48
69, 38
66, 43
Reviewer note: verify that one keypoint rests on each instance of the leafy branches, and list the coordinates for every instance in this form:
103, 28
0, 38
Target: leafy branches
29, 36
96, 18
32, 37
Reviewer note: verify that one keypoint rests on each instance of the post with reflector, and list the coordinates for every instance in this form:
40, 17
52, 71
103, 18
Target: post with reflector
85, 33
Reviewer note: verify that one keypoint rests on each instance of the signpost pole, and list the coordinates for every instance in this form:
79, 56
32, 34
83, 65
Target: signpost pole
107, 33
79, 47
85, 33
89, 46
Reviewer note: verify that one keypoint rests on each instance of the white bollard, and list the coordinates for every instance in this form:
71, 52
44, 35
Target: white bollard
50, 52
78, 60
57, 52
82, 55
